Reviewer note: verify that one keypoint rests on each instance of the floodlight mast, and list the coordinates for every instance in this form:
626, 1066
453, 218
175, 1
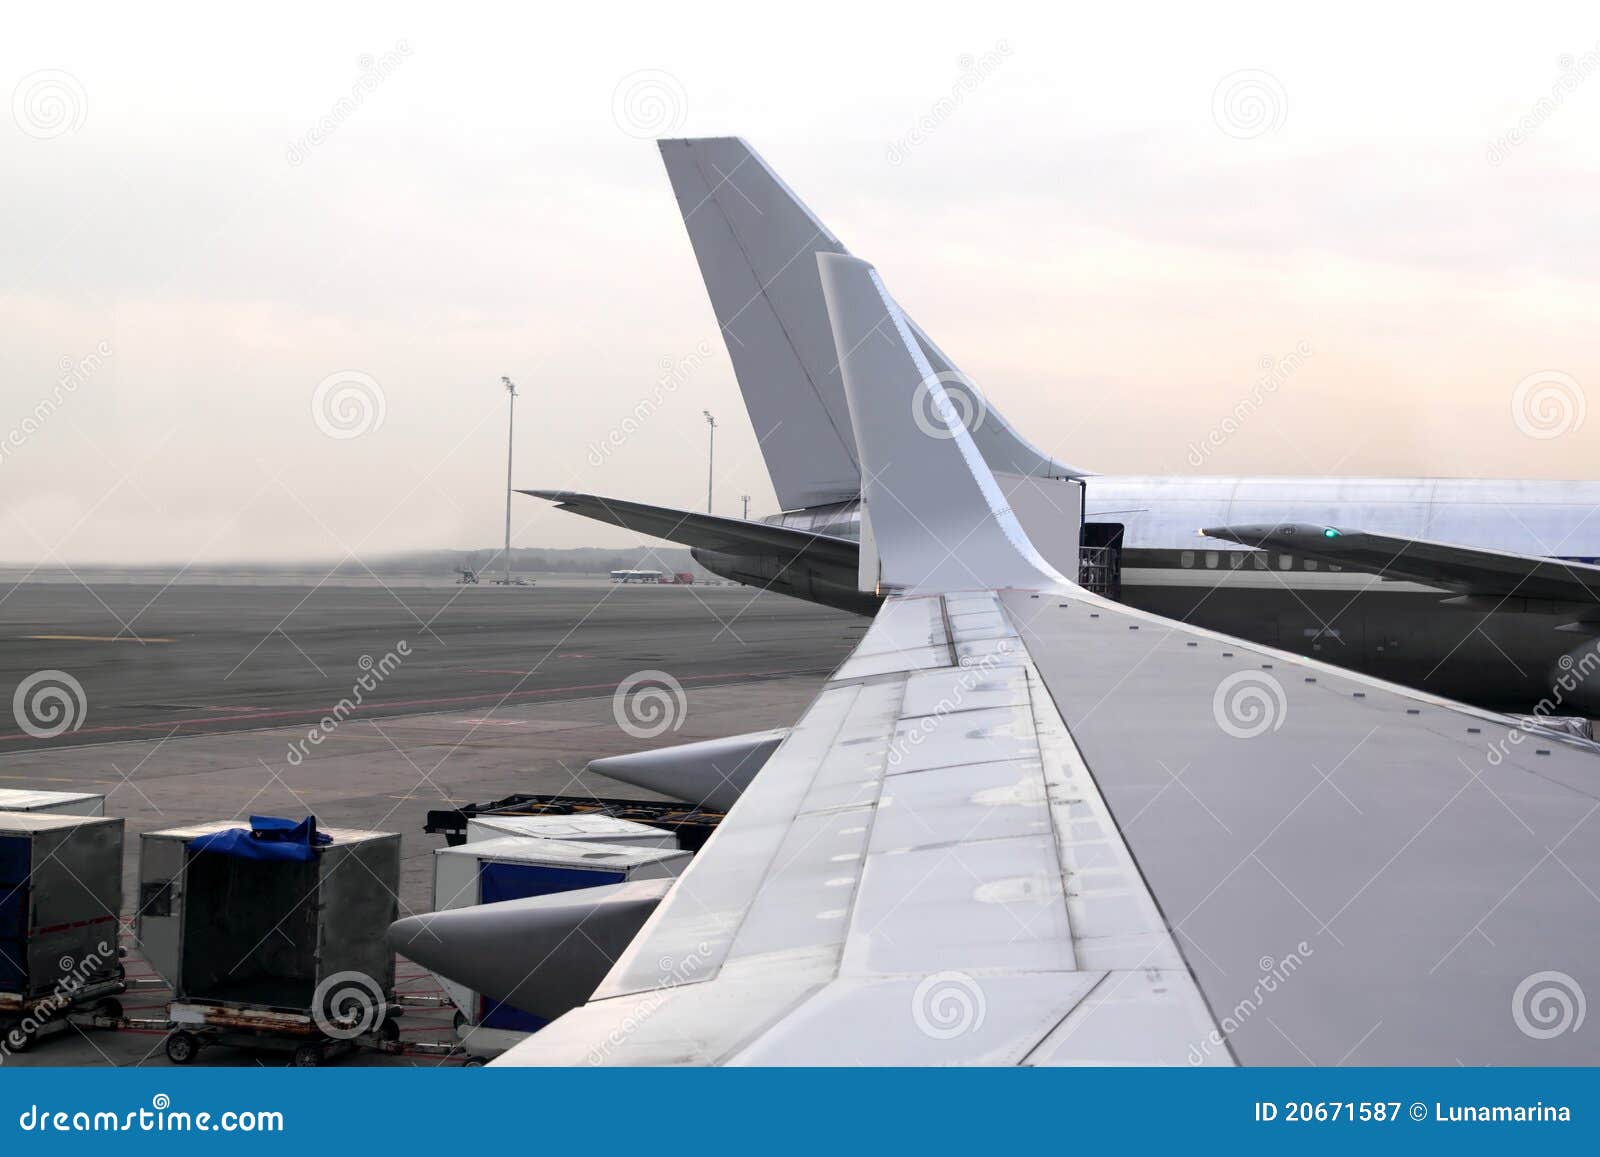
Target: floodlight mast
711, 456
511, 422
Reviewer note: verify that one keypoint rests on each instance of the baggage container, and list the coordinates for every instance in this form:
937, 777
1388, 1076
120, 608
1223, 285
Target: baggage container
237, 938
515, 868
575, 829
69, 803
60, 904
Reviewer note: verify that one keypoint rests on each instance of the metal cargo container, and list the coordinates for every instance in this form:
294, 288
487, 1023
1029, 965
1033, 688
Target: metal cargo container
233, 933
60, 902
515, 868
575, 829
67, 803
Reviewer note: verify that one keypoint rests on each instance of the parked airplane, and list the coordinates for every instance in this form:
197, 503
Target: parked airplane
1026, 824
1473, 627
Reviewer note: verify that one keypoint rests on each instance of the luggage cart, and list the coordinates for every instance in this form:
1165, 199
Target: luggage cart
277, 954
201, 1026
196, 1028
60, 892
24, 1023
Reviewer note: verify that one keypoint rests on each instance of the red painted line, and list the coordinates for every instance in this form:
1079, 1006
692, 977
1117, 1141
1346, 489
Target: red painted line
74, 924
319, 712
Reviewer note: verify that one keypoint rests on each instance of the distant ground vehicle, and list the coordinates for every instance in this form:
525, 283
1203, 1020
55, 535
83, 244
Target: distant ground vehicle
636, 576
680, 578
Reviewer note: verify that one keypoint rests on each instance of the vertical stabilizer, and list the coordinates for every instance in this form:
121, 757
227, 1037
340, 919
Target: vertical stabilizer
756, 243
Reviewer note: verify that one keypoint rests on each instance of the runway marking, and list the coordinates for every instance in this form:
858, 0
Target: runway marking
95, 639
314, 713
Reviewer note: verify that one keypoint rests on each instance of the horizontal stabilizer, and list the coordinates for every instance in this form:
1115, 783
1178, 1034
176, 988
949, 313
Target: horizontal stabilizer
1464, 570
707, 531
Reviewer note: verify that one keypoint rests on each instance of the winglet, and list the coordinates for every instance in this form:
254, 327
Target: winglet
939, 520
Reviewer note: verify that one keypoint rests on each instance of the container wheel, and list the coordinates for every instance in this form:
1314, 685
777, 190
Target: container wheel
182, 1047
473, 1063
389, 1030
307, 1057
22, 1036
110, 1008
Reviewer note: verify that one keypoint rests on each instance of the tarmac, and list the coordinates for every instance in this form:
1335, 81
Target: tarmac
199, 700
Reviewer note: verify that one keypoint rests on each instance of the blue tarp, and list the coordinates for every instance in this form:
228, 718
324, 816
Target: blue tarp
267, 838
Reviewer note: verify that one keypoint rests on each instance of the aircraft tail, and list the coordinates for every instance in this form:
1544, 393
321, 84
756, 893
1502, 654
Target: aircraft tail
756, 243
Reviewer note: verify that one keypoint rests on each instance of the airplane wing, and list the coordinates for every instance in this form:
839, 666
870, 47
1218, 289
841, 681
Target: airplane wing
1465, 570
1025, 825
708, 531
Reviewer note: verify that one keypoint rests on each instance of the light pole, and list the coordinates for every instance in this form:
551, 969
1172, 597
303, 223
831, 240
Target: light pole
745, 498
711, 456
511, 422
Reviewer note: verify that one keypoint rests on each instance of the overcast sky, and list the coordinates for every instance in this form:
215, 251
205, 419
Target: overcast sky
1111, 219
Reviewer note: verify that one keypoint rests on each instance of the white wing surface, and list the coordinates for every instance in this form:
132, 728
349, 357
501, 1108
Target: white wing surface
1024, 825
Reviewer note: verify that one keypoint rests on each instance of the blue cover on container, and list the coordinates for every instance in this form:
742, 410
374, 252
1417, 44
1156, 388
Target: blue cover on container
267, 838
